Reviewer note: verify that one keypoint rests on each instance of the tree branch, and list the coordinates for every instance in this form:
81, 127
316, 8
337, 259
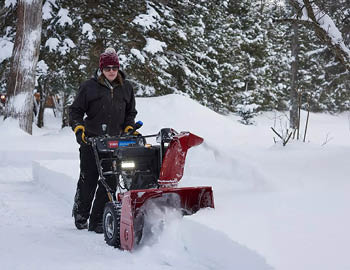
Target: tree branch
342, 56
313, 22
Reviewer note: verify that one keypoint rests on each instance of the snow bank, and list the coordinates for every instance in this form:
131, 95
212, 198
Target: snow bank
50, 175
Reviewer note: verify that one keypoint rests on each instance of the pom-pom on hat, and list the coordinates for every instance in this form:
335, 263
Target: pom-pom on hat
109, 58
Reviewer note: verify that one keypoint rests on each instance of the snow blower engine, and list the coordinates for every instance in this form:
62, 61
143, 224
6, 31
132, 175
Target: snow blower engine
142, 173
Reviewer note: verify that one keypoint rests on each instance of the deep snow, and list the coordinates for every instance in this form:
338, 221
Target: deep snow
275, 207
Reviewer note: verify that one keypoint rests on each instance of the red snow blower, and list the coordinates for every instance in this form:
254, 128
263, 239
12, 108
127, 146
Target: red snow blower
144, 173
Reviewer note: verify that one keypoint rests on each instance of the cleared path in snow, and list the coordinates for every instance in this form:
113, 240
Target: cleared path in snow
37, 232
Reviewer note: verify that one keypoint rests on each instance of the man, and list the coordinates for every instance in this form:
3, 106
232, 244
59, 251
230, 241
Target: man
106, 99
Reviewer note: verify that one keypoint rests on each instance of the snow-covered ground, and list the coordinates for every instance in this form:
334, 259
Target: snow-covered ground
276, 207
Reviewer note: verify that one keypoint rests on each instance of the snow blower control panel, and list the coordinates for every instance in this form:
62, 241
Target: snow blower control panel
105, 145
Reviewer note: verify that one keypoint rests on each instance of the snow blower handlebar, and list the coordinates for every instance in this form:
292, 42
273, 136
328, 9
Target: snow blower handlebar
127, 135
93, 142
103, 144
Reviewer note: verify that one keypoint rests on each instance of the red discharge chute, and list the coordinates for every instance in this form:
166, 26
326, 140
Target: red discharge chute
173, 164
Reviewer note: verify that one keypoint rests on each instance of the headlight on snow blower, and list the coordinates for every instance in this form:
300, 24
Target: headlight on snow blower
128, 165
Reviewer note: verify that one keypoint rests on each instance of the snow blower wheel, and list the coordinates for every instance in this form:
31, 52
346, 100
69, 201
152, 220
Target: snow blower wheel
111, 224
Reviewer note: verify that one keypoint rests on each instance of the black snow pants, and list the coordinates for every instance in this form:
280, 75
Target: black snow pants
86, 189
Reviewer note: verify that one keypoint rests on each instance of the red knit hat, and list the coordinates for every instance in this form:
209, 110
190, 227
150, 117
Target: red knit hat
109, 58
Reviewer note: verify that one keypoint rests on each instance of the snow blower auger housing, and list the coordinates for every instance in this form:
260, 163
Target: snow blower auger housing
144, 172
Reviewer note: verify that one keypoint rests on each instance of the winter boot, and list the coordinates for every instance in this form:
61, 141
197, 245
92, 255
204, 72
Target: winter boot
80, 222
97, 228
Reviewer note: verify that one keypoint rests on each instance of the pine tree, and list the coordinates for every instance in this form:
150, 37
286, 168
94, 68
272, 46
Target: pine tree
8, 21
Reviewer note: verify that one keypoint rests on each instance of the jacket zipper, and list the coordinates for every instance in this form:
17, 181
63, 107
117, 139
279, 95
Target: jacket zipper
110, 116
112, 93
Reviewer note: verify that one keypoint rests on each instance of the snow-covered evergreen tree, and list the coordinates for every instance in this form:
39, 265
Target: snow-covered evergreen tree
232, 56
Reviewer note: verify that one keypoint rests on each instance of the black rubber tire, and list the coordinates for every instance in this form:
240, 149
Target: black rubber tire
111, 223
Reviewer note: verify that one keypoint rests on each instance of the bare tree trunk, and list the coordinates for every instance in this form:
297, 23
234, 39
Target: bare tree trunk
24, 60
293, 113
65, 111
95, 50
42, 102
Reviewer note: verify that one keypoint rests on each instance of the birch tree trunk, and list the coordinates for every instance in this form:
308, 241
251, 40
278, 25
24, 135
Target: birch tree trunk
24, 60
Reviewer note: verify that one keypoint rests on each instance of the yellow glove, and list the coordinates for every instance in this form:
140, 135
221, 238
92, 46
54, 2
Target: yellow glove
80, 134
128, 128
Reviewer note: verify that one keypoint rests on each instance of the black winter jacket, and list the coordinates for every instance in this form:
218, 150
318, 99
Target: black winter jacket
114, 107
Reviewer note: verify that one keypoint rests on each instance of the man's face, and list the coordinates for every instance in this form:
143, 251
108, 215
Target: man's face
110, 72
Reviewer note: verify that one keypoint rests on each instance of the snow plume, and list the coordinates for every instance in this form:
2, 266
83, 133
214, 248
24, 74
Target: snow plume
324, 22
157, 216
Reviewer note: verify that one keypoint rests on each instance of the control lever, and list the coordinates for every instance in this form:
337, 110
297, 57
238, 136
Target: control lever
135, 127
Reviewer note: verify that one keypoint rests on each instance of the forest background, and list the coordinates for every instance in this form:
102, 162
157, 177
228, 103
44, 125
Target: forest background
232, 56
